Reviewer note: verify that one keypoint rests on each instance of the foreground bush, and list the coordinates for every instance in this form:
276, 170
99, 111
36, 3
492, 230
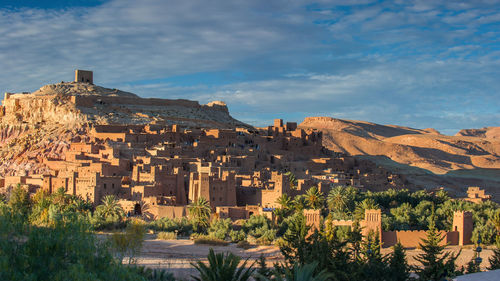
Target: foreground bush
183, 226
166, 235
66, 251
208, 240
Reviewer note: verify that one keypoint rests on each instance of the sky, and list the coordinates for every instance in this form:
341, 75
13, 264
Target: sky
419, 64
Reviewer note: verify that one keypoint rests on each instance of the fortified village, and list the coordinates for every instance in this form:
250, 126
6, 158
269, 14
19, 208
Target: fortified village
157, 168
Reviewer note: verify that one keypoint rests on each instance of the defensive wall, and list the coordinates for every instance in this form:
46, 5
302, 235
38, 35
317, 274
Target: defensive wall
461, 233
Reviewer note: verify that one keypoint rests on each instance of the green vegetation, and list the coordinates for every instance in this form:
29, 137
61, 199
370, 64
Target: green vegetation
223, 267
435, 265
199, 212
166, 235
51, 237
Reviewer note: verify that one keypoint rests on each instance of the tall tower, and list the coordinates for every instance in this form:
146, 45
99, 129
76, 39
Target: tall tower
462, 222
84, 76
372, 222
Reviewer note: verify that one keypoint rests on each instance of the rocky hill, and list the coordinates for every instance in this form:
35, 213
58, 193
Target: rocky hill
487, 133
472, 157
40, 125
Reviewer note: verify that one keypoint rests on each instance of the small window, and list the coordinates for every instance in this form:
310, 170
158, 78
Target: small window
104, 186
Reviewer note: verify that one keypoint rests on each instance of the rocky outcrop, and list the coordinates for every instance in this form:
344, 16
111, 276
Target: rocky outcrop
38, 126
487, 133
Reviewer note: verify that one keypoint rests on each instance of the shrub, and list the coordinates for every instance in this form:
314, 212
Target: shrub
259, 227
166, 235
209, 240
237, 236
128, 243
219, 228
244, 245
183, 226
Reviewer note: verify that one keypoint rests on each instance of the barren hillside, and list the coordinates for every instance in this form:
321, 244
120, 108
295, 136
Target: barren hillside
40, 125
463, 159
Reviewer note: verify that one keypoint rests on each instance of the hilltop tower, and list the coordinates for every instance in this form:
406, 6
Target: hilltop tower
84, 76
462, 222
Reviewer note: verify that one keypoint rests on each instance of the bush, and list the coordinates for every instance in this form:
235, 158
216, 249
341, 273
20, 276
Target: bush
259, 228
66, 251
128, 243
166, 235
208, 240
237, 236
244, 245
219, 228
183, 226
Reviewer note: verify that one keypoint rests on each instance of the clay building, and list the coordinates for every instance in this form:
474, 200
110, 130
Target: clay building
476, 195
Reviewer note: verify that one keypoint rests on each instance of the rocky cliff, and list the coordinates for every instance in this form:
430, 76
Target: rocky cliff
40, 125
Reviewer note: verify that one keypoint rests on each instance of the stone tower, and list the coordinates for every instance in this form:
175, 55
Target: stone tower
84, 76
372, 222
462, 222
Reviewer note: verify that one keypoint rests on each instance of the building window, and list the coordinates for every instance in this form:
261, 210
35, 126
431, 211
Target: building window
104, 186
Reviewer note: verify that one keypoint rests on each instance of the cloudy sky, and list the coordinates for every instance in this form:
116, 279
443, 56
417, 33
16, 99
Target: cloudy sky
413, 63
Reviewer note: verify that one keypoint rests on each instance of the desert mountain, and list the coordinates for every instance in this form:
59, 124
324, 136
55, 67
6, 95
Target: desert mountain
40, 125
428, 158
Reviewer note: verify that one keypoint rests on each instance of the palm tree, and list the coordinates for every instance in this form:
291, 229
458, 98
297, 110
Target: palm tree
285, 201
292, 179
60, 197
200, 211
300, 202
222, 267
110, 207
341, 199
314, 198
367, 204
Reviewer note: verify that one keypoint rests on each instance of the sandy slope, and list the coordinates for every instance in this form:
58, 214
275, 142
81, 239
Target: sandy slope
430, 159
425, 149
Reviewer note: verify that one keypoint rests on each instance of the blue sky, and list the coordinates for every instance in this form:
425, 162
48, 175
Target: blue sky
413, 63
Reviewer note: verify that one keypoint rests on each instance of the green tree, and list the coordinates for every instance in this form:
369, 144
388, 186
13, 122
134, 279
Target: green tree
292, 179
367, 204
285, 201
397, 266
300, 203
222, 267
495, 258
199, 211
110, 207
435, 264
129, 243
314, 198
341, 199
219, 228
372, 266
295, 247
403, 216
19, 201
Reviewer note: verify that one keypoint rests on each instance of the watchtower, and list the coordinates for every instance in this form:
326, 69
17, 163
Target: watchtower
84, 76
372, 222
462, 222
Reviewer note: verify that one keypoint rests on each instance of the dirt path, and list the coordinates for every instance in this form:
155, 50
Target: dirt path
177, 255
